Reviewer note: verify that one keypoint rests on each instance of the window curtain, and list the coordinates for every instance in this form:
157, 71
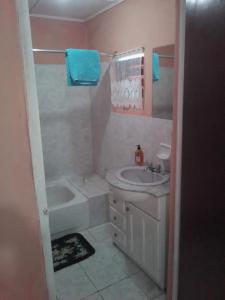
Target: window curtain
126, 80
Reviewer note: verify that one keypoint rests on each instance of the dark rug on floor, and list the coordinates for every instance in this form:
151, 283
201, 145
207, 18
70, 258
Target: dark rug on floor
70, 249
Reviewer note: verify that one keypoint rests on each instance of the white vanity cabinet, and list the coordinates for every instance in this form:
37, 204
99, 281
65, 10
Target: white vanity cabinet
139, 229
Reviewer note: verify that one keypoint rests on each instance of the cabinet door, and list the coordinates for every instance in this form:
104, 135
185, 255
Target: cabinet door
151, 246
135, 233
143, 239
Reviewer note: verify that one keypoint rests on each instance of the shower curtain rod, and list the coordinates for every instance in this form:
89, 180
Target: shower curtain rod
101, 53
129, 51
63, 51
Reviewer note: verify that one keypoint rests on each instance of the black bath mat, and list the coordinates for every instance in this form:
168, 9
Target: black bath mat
70, 249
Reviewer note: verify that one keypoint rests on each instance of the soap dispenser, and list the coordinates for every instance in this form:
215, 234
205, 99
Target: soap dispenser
139, 156
164, 156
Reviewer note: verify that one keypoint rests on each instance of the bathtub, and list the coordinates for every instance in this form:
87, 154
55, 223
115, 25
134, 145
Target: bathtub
68, 208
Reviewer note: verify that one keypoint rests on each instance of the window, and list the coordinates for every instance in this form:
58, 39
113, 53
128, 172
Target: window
127, 82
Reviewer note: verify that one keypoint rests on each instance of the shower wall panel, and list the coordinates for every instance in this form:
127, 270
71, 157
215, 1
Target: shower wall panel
65, 114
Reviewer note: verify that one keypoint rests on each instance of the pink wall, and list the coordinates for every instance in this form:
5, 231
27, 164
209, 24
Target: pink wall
148, 23
22, 274
55, 34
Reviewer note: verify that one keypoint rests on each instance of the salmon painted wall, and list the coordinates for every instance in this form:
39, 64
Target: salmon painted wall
132, 24
56, 34
22, 274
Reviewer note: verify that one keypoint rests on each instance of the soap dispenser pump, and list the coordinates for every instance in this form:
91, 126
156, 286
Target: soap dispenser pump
139, 156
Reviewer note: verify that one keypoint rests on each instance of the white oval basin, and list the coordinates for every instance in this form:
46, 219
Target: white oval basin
138, 176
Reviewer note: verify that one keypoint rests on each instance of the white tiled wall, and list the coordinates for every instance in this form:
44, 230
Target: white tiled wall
81, 135
65, 114
115, 135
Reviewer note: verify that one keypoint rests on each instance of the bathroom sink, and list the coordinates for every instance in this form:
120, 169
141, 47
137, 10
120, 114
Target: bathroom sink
139, 176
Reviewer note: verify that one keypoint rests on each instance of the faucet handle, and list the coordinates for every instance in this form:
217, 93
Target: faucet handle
158, 169
150, 165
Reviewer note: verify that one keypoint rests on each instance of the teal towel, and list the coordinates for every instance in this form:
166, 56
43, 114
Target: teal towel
83, 67
155, 67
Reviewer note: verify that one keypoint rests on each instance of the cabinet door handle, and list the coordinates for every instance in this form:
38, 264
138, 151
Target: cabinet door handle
114, 218
115, 235
127, 208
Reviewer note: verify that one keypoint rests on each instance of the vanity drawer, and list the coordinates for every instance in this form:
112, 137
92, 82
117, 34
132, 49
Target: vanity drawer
119, 238
116, 204
117, 219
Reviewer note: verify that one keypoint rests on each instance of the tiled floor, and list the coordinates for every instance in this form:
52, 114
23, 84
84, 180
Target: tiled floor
107, 275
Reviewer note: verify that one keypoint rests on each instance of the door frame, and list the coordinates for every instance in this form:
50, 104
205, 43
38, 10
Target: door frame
175, 196
37, 153
25, 40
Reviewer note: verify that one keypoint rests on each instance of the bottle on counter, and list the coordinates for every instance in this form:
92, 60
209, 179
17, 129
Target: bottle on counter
139, 156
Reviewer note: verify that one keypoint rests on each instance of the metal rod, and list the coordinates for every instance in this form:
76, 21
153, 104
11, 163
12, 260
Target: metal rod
101, 53
166, 56
132, 50
63, 51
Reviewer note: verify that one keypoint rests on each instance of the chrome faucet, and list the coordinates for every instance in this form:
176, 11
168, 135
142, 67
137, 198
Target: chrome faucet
151, 168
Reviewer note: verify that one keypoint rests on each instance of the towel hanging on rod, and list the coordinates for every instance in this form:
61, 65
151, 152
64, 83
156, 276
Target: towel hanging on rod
83, 67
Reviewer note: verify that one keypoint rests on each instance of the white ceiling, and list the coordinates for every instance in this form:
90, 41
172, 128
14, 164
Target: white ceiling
80, 10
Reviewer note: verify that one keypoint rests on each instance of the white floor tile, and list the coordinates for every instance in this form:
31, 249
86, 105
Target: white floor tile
101, 268
123, 290
116, 250
86, 234
146, 285
162, 297
104, 274
126, 264
103, 254
101, 232
96, 296
73, 284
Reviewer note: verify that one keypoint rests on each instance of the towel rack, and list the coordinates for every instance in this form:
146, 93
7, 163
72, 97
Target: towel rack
63, 51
